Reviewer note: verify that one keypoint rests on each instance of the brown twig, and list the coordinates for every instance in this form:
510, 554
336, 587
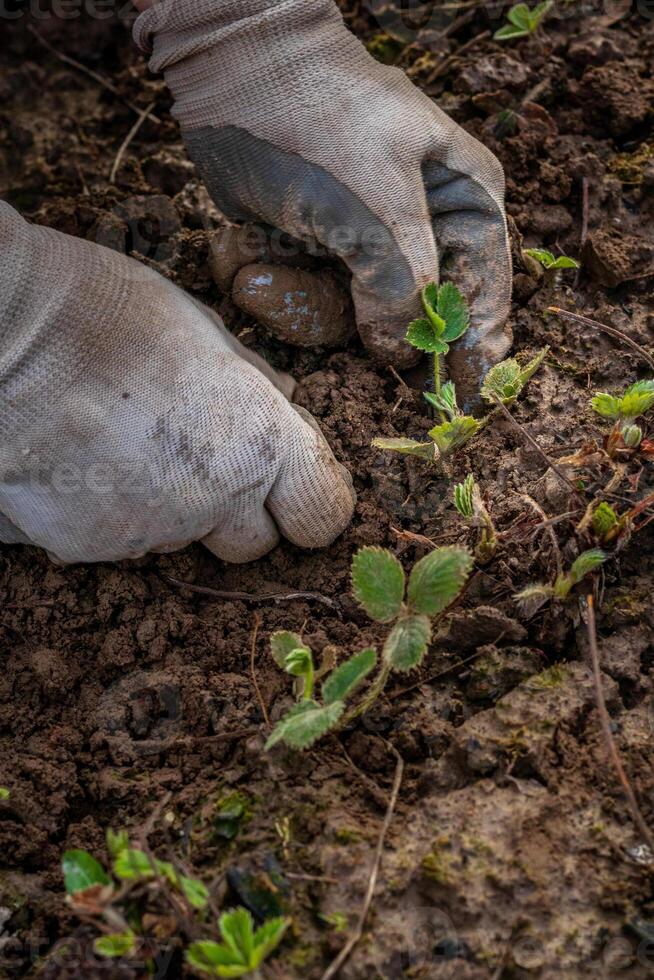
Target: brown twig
441, 68
249, 597
612, 331
154, 745
541, 452
128, 139
546, 525
344, 954
105, 83
253, 670
605, 721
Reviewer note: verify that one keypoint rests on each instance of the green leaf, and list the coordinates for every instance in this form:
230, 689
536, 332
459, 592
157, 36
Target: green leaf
586, 563
637, 399
438, 579
130, 865
408, 447
452, 435
117, 841
344, 681
217, 960
530, 369
118, 944
464, 497
195, 892
520, 16
503, 381
5, 794
82, 871
604, 520
423, 336
407, 643
632, 435
430, 298
510, 33
541, 255
283, 643
237, 931
565, 262
607, 406
453, 308
378, 583
299, 662
539, 11
268, 937
305, 723
445, 401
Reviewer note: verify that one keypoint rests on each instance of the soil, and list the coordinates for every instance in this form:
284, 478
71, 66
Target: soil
512, 852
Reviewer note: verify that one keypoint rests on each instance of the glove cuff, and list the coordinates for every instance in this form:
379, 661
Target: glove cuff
172, 31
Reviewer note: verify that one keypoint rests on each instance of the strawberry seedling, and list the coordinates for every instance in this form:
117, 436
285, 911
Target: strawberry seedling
468, 501
243, 948
623, 411
522, 21
534, 596
447, 319
380, 586
507, 379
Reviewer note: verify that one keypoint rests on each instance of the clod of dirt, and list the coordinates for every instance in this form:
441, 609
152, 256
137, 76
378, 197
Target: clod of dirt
612, 258
234, 247
617, 98
496, 71
485, 624
298, 307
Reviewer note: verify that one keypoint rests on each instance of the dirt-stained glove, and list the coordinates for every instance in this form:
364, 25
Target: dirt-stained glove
291, 122
131, 421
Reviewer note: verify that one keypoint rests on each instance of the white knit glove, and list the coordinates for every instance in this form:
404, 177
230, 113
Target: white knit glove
131, 421
291, 122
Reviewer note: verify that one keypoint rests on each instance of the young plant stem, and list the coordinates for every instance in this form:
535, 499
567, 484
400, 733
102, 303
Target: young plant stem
437, 382
309, 680
374, 692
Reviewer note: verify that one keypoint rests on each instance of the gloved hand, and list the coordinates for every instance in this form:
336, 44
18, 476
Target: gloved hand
291, 122
132, 421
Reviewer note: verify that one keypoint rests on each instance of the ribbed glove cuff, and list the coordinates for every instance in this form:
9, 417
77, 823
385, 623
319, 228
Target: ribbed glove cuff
174, 30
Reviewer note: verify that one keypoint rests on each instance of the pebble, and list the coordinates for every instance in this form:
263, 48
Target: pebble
305, 309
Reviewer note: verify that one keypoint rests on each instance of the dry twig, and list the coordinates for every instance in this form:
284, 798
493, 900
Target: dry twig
344, 954
532, 442
250, 597
104, 82
547, 526
128, 139
612, 331
253, 670
605, 721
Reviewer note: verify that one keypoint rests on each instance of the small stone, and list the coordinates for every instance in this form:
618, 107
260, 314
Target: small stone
301, 308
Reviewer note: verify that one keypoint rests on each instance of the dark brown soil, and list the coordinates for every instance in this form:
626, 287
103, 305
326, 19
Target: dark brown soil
512, 853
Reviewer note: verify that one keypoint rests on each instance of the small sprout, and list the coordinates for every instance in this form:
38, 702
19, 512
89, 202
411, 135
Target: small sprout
623, 410
447, 319
295, 658
522, 21
116, 945
468, 501
5, 794
243, 949
82, 871
549, 262
380, 586
604, 521
507, 379
534, 596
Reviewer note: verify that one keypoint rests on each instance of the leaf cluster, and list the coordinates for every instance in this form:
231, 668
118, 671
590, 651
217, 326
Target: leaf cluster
243, 949
534, 596
522, 21
470, 505
637, 399
380, 585
447, 318
507, 379
549, 261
